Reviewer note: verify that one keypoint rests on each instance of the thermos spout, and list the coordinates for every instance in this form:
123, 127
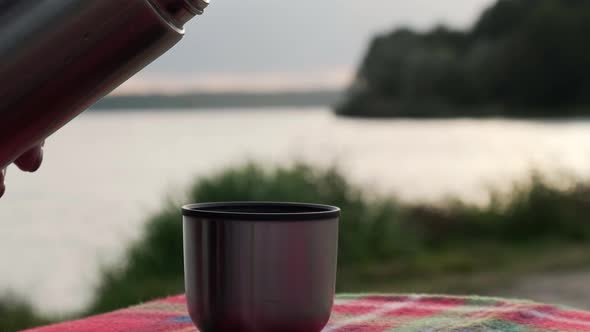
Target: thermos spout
181, 11
200, 5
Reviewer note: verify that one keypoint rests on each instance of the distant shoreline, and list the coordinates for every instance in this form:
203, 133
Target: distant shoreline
331, 99
218, 100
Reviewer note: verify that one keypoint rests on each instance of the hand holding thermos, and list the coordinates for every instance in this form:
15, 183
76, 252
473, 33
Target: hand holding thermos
30, 161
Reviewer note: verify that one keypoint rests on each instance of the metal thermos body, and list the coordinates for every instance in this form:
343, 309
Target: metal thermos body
58, 57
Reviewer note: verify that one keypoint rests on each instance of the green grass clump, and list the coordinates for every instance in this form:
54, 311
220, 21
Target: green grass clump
535, 210
382, 241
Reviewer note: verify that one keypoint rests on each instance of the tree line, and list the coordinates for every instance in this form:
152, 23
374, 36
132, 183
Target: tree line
521, 57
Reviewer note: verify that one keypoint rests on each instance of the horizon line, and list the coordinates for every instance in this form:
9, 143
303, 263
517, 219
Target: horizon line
165, 93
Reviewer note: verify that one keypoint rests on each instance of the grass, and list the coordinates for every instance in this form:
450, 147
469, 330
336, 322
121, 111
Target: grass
16, 315
383, 242
385, 245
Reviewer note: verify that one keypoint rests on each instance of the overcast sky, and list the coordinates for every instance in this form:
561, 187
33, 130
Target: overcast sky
281, 44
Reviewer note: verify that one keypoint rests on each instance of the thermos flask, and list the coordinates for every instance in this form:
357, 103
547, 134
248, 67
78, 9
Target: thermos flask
58, 57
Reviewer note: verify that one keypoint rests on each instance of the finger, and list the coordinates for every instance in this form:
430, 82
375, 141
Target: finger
2, 188
31, 160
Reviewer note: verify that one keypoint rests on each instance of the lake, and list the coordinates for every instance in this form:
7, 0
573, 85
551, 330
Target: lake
106, 171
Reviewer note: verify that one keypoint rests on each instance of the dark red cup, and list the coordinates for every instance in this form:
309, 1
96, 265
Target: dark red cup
260, 266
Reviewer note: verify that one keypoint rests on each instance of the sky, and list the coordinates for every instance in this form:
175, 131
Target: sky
271, 45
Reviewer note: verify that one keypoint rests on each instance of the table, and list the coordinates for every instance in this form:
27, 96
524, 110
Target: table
365, 313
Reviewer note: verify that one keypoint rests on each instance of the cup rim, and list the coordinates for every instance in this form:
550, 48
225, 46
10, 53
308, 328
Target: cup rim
292, 211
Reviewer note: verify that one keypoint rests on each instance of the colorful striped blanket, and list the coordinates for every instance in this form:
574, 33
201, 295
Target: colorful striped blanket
365, 313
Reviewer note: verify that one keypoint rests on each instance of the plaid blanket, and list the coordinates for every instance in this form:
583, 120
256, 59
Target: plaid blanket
365, 313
